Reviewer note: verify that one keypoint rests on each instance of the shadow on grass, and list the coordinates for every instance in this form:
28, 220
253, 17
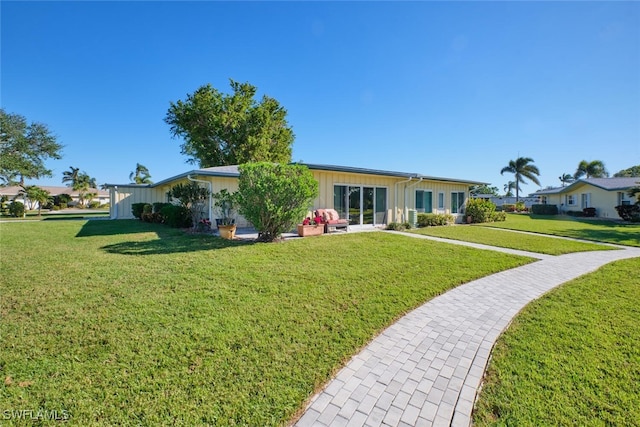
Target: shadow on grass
170, 240
173, 244
607, 236
117, 227
592, 221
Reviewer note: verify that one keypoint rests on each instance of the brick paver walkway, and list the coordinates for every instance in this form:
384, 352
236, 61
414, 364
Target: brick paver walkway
425, 369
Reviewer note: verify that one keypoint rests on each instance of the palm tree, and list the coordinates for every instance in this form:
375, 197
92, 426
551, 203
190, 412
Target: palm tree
566, 178
522, 168
594, 169
43, 197
508, 187
70, 176
35, 195
141, 175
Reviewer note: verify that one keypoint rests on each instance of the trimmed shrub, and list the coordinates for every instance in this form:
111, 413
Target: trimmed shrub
508, 207
520, 207
157, 206
137, 209
431, 220
94, 205
176, 216
480, 210
629, 212
63, 205
274, 197
544, 210
396, 226
575, 213
498, 217
16, 209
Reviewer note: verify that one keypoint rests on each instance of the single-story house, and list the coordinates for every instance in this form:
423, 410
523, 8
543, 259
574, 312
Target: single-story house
12, 192
366, 197
604, 194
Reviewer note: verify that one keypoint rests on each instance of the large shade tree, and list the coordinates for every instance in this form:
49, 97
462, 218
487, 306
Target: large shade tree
593, 169
220, 129
633, 171
24, 148
522, 168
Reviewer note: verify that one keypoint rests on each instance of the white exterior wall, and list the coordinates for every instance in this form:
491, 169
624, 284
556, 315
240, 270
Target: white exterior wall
400, 193
603, 200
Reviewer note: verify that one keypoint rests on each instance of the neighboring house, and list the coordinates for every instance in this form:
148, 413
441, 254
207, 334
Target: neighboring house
365, 197
604, 194
13, 193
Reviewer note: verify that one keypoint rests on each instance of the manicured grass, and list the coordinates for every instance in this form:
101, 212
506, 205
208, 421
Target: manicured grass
570, 358
587, 229
59, 215
506, 239
123, 322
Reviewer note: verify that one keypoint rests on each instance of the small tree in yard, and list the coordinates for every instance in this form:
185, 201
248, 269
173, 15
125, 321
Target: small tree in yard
193, 197
274, 197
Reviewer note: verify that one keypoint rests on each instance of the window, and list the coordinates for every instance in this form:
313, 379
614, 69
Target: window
441, 201
571, 200
543, 200
622, 198
457, 202
424, 201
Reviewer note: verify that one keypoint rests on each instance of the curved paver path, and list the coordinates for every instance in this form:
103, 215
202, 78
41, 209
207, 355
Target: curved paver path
425, 369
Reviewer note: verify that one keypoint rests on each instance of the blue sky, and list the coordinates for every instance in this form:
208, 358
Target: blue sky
452, 89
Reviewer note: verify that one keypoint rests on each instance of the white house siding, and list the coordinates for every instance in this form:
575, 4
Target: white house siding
603, 200
436, 187
398, 188
327, 180
125, 196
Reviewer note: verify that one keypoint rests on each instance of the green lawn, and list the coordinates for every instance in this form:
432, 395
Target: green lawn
59, 215
587, 229
123, 322
506, 239
571, 358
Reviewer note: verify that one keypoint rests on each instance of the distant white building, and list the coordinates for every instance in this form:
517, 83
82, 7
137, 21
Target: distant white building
13, 193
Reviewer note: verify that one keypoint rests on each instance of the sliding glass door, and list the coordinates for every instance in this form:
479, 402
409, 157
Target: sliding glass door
360, 204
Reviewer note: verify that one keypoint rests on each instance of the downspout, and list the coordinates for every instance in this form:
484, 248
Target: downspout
115, 202
210, 193
395, 207
406, 209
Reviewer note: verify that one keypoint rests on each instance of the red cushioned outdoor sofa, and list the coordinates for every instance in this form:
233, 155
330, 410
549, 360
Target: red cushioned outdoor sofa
332, 220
